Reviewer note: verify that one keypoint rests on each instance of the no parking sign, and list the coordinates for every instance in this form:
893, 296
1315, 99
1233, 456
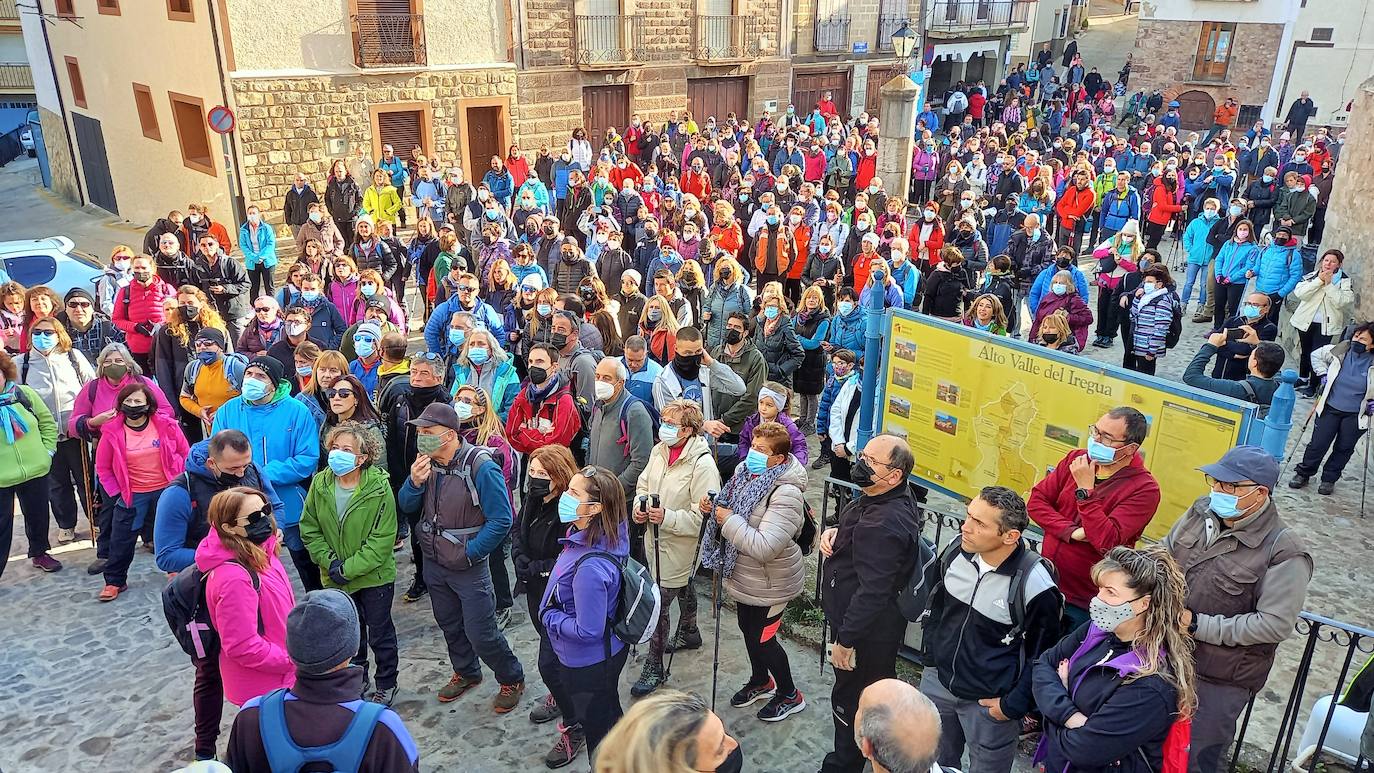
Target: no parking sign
221, 119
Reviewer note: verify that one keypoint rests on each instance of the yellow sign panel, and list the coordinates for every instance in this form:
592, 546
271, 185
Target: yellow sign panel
981, 410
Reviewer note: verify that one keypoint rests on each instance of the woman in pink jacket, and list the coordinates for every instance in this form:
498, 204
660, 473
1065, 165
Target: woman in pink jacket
343, 288
247, 593
140, 451
95, 404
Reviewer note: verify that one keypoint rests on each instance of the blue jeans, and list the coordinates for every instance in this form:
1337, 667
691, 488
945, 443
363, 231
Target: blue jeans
125, 523
1195, 272
465, 608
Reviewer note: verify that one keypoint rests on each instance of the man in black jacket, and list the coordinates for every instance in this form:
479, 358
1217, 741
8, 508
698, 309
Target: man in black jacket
868, 559
994, 610
299, 197
225, 281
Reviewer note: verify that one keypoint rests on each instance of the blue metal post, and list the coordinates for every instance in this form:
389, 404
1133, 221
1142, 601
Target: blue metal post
1271, 432
873, 361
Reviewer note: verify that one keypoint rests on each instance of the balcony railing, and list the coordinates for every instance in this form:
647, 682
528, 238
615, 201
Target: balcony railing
610, 41
725, 38
888, 24
389, 40
832, 34
16, 77
960, 15
9, 11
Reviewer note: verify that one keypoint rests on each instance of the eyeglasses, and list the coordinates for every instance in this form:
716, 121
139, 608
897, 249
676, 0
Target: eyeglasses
467, 289
78, 305
261, 309
1102, 437
364, 340
333, 393
1229, 488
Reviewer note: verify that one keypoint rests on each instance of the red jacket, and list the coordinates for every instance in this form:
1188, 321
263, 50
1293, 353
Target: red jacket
976, 103
1115, 513
932, 245
698, 185
522, 424
728, 238
868, 168
827, 107
135, 304
1163, 206
618, 176
519, 169
1074, 205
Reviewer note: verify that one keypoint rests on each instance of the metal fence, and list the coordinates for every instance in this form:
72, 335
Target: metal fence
10, 146
389, 40
946, 15
610, 39
723, 38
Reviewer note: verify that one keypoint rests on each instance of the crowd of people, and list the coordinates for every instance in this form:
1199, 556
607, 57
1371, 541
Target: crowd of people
628, 351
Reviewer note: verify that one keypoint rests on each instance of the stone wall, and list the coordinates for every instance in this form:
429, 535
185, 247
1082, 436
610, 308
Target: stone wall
283, 123
1165, 50
1348, 225
64, 182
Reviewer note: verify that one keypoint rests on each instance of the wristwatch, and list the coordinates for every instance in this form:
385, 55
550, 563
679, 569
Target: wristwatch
1192, 626
1082, 494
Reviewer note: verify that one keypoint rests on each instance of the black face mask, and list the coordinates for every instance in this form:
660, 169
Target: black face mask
539, 488
559, 340
733, 763
733, 337
259, 528
134, 412
1358, 347
1050, 338
861, 474
538, 375
687, 366
189, 313
1063, 262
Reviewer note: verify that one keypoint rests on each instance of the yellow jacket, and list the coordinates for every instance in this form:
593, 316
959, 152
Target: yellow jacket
383, 204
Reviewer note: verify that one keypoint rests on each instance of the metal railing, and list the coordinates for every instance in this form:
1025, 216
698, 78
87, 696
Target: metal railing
831, 34
10, 146
888, 24
389, 40
949, 15
725, 38
16, 76
609, 40
9, 10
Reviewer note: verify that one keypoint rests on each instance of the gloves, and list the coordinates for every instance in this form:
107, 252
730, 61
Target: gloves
336, 574
522, 566
144, 328
1369, 407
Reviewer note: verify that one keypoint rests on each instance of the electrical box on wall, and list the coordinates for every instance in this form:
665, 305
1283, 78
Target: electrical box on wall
770, 105
336, 146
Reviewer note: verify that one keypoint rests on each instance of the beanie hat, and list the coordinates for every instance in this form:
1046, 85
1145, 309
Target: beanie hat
369, 328
322, 631
78, 292
271, 365
214, 335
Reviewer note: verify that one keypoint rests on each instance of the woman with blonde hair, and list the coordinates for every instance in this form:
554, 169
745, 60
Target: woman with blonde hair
729, 293
118, 274
691, 283
371, 285
1063, 296
329, 367
658, 325
1056, 334
671, 732
174, 346
1112, 690
986, 314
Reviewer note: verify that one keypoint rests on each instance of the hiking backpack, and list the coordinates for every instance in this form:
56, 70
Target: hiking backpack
286, 756
1016, 591
630, 400
635, 615
183, 604
914, 600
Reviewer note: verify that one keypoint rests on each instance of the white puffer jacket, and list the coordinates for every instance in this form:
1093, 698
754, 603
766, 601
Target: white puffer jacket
680, 487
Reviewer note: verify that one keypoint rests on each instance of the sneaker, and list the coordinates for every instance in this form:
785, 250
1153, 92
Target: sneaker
1326, 487
111, 592
383, 695
1200, 318
820, 462
456, 686
47, 563
508, 697
148, 547
684, 640
782, 707
649, 679
545, 710
415, 592
65, 536
400, 543
566, 748
1298, 481
502, 618
749, 694
96, 567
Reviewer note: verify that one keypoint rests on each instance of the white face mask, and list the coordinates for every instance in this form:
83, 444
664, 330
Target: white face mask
604, 391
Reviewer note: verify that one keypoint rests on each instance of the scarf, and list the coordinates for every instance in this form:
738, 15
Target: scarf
741, 494
13, 423
537, 395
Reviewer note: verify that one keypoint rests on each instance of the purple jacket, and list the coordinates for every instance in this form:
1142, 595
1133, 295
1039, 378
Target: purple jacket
576, 608
925, 166
342, 295
746, 436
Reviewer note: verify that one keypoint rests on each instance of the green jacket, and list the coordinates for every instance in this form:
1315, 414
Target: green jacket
363, 539
30, 456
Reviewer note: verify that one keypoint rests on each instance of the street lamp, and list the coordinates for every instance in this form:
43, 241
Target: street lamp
904, 41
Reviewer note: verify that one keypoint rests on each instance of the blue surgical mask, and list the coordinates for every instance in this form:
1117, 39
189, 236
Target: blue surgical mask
1035, 235
368, 289
1250, 311
255, 389
1224, 505
463, 411
771, 312
305, 370
342, 462
1059, 289
544, 309
310, 296
479, 355
206, 358
756, 461
1268, 179
668, 434
567, 507
44, 341
1235, 210
846, 307
364, 347
1101, 452
456, 336
772, 219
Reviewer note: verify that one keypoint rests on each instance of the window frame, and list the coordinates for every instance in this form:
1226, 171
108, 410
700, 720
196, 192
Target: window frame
174, 14
207, 166
75, 82
153, 131
65, 8
1210, 37
108, 7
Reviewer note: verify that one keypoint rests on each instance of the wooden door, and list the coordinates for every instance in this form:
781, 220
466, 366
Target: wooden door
877, 78
809, 87
95, 164
708, 97
604, 107
1195, 109
483, 126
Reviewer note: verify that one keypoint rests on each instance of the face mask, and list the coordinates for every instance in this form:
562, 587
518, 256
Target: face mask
756, 461
115, 371
1358, 347
1049, 338
143, 277
316, 217
134, 412
1242, 235
1224, 505
310, 296
1101, 452
305, 370
342, 462
543, 309
538, 375
189, 313
604, 391
1210, 214
44, 341
463, 411
861, 474
1235, 210
559, 340
429, 445
1108, 617
928, 214
845, 307
539, 487
456, 336
862, 225
771, 312
567, 507
687, 365
1059, 289
368, 290
194, 218
478, 356
668, 434
121, 265
259, 528
364, 348
255, 389
1250, 311
1268, 179
207, 358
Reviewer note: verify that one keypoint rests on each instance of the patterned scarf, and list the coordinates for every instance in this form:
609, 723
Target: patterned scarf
741, 494
13, 423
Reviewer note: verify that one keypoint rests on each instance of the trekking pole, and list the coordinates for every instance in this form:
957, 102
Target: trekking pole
1365, 485
715, 604
696, 564
1289, 457
89, 486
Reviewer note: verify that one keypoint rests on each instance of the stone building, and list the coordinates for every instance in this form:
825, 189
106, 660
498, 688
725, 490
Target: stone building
1348, 225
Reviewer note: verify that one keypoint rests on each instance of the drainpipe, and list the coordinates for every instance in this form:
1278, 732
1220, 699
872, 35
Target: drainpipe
61, 103
232, 157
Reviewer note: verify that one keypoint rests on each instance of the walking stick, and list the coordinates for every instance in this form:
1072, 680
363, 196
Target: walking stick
715, 604
89, 486
1365, 484
1289, 457
696, 564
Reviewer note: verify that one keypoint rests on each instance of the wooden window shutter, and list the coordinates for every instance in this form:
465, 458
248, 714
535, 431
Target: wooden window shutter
400, 7
401, 130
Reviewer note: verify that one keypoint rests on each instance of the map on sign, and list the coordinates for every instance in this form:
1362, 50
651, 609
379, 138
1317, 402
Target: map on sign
980, 410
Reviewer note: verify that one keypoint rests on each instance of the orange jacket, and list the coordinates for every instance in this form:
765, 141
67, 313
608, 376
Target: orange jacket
1225, 115
727, 238
1074, 205
801, 238
787, 252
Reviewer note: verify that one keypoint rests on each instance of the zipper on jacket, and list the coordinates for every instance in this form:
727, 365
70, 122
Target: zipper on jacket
959, 643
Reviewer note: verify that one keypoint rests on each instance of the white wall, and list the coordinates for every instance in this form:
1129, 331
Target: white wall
1332, 75
1265, 11
36, 54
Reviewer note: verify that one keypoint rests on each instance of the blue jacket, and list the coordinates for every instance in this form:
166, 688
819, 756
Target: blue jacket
1140, 162
436, 329
1221, 185
496, 507
432, 189
576, 607
848, 332
832, 388
1278, 270
1235, 259
174, 512
501, 185
286, 445
641, 383
326, 323
266, 251
1117, 209
1195, 241
783, 158
505, 385
540, 193
1043, 280
397, 169
521, 272
908, 278
561, 170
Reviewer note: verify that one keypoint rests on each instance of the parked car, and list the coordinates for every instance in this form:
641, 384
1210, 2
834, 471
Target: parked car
26, 141
53, 261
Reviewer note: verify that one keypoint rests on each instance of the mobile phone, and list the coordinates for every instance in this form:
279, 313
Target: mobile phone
829, 654
1235, 334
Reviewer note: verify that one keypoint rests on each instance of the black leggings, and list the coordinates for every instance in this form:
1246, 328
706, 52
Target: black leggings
766, 655
1309, 341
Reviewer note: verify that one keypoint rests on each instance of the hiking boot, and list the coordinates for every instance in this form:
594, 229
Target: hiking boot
782, 707
1326, 487
456, 686
1200, 318
111, 592
821, 461
502, 618
508, 697
415, 592
751, 694
649, 679
65, 536
545, 711
383, 695
684, 640
566, 748
47, 563
1299, 481
96, 567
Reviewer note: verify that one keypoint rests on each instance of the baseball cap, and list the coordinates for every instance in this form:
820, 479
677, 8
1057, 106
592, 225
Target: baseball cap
437, 415
1245, 463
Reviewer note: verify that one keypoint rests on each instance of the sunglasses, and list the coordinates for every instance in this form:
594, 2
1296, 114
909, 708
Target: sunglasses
78, 305
467, 289
261, 309
333, 393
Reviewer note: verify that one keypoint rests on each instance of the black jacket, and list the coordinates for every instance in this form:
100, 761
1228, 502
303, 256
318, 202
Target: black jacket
162, 226
872, 557
297, 207
232, 279
781, 350
944, 291
537, 540
343, 199
317, 718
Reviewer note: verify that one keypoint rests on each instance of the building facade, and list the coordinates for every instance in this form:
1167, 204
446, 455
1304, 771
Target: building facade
16, 80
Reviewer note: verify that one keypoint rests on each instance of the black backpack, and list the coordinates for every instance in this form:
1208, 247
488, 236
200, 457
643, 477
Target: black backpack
183, 604
1016, 591
1175, 324
914, 600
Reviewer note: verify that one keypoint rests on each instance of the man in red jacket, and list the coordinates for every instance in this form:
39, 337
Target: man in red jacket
1093, 501
695, 181
138, 308
1073, 206
544, 412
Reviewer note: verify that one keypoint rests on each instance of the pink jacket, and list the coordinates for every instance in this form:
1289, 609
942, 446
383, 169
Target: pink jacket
357, 310
112, 451
342, 295
98, 397
251, 664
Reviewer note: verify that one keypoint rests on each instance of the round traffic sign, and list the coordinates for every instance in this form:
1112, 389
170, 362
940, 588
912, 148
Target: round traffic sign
221, 119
